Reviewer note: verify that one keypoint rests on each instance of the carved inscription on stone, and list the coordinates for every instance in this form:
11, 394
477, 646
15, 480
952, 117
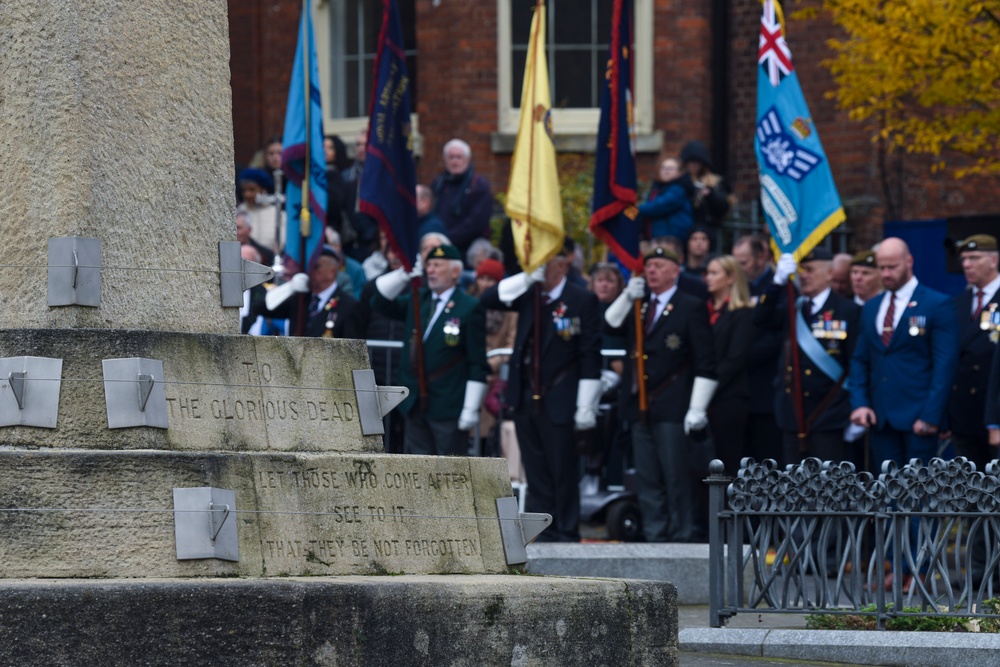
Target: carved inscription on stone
368, 515
275, 405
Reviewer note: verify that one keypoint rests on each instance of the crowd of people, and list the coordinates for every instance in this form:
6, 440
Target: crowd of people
728, 353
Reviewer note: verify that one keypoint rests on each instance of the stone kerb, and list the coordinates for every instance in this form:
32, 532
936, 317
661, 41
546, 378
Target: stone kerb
224, 393
110, 514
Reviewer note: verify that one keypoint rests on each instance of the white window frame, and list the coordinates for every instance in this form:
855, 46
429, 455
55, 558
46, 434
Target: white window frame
345, 128
579, 121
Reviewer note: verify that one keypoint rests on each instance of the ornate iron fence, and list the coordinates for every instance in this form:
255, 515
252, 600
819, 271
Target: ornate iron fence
820, 537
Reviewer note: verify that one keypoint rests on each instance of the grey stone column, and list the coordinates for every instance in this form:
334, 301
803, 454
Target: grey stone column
116, 123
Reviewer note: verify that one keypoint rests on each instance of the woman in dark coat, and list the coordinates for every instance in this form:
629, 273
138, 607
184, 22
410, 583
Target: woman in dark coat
732, 331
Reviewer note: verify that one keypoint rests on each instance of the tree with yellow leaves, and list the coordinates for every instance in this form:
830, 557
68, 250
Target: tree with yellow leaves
926, 73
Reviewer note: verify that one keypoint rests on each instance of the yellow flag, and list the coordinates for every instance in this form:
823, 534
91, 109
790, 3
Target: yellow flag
533, 200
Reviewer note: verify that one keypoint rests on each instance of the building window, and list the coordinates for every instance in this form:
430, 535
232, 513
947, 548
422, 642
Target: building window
346, 41
578, 32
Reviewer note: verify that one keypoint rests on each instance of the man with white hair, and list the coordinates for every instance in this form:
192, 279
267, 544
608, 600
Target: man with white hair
464, 198
453, 361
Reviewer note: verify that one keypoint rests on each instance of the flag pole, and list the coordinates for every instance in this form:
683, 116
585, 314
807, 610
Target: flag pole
536, 356
793, 344
418, 347
640, 360
305, 224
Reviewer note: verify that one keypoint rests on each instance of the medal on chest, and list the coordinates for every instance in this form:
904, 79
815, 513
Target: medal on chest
452, 331
331, 317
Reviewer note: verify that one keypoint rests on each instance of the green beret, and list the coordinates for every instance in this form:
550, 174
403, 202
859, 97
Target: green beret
446, 251
978, 242
662, 253
864, 258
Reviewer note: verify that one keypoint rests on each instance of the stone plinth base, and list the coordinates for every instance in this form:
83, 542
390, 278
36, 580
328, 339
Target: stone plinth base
110, 514
370, 621
223, 392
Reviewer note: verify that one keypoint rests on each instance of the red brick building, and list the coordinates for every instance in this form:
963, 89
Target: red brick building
695, 79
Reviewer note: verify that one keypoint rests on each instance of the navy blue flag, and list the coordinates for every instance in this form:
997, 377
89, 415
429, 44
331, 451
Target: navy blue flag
389, 182
614, 218
303, 144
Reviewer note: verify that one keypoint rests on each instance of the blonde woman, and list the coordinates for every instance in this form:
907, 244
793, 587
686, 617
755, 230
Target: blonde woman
732, 332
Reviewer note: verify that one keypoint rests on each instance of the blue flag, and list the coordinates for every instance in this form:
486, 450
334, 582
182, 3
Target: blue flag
614, 218
389, 182
303, 137
797, 191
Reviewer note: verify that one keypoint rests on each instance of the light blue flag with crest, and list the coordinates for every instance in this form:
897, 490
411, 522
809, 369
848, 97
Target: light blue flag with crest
797, 191
302, 151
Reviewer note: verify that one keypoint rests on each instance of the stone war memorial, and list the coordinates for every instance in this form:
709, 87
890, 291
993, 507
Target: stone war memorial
176, 493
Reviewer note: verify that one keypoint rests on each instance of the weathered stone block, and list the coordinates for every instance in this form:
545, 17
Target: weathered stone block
110, 514
371, 621
224, 392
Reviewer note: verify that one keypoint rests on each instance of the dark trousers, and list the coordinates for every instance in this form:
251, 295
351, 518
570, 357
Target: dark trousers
666, 496
823, 445
889, 444
978, 450
763, 439
727, 420
429, 437
552, 469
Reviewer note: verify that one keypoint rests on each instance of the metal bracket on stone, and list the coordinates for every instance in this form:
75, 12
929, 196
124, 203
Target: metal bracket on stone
74, 271
518, 529
375, 402
238, 275
30, 395
205, 524
134, 393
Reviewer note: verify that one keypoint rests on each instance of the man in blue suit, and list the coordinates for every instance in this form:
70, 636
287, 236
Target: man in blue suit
902, 368
904, 361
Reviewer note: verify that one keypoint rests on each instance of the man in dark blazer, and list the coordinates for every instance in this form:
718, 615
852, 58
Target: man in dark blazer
332, 312
826, 330
977, 311
679, 377
554, 384
904, 362
453, 341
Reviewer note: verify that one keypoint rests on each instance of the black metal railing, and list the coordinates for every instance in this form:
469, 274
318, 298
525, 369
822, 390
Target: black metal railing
821, 537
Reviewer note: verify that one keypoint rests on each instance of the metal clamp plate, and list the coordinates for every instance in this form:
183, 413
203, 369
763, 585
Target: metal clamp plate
205, 524
29, 391
375, 402
74, 271
518, 529
237, 275
134, 393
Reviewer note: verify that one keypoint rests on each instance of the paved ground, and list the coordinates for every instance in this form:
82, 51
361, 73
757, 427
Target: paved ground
706, 660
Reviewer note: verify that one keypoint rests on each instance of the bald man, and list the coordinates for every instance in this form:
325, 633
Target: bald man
904, 362
902, 369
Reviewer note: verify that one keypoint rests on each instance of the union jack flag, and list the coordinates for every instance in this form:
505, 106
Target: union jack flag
773, 54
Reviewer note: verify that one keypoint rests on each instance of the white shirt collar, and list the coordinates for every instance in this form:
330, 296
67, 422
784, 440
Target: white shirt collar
664, 297
444, 296
325, 295
819, 300
556, 291
988, 290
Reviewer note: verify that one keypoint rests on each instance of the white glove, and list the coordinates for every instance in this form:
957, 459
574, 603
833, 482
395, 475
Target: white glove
474, 394
390, 285
510, 288
636, 288
418, 267
701, 395
588, 392
299, 284
609, 380
786, 267
853, 432
620, 307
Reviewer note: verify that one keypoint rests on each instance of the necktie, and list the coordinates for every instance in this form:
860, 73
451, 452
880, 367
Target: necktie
979, 304
314, 304
433, 316
650, 314
887, 323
